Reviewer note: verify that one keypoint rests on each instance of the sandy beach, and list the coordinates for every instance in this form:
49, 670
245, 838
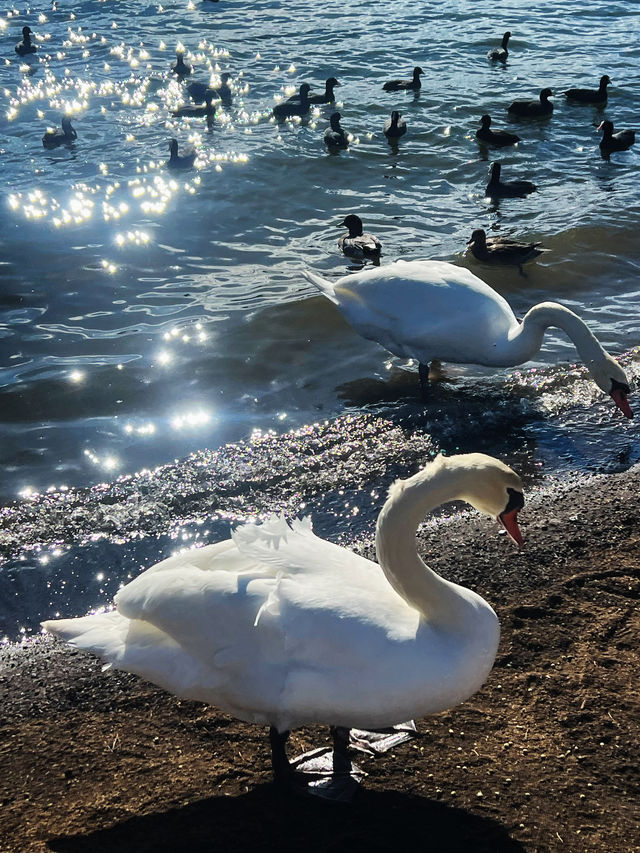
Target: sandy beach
543, 758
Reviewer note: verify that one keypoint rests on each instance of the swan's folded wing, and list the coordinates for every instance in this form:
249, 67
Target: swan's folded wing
316, 577
291, 550
192, 631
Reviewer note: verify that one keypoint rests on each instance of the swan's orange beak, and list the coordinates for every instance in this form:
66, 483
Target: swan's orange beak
619, 396
509, 520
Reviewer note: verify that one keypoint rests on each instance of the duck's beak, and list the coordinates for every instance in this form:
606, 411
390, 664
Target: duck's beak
619, 396
509, 520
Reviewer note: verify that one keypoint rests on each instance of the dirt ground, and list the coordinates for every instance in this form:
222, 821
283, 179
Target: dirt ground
543, 758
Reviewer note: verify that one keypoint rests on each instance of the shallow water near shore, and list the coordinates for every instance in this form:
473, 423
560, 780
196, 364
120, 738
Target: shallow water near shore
146, 314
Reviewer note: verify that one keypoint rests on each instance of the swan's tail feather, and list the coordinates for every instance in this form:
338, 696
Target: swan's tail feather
325, 287
104, 634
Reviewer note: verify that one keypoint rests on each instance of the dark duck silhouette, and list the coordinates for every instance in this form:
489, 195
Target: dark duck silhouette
177, 161
326, 97
505, 189
620, 141
286, 109
24, 47
395, 127
591, 96
335, 138
399, 85
500, 54
207, 110
503, 250
199, 92
357, 244
181, 68
541, 107
53, 138
497, 138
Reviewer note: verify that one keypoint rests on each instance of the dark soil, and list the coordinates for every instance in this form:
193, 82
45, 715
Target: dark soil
543, 758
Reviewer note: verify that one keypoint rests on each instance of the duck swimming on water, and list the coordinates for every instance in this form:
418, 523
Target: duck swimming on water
287, 109
533, 109
500, 54
181, 68
357, 243
335, 137
24, 47
502, 250
394, 127
506, 189
281, 628
497, 138
199, 92
400, 85
326, 97
591, 96
432, 310
193, 111
53, 138
177, 161
620, 141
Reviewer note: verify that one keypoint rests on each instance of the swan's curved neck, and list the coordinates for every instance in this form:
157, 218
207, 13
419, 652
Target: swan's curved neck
409, 501
525, 339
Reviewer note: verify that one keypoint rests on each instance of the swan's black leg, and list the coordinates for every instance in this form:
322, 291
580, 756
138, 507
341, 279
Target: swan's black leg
423, 373
282, 771
341, 760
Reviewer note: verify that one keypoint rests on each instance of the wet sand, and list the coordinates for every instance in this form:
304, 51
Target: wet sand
543, 758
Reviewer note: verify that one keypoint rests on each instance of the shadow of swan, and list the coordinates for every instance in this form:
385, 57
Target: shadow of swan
265, 819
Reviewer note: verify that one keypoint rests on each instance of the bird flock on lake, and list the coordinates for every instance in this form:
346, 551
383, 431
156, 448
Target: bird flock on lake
285, 629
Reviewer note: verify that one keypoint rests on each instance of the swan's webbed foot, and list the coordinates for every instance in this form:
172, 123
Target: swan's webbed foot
377, 741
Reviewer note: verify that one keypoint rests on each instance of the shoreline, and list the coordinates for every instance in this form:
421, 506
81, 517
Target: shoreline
546, 750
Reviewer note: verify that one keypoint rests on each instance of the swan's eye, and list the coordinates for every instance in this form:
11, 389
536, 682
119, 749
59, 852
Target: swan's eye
516, 501
619, 386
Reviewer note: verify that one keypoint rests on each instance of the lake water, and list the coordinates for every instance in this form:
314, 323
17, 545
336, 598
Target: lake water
146, 314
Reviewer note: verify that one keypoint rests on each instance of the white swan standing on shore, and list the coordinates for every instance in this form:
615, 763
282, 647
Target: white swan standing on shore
281, 628
433, 310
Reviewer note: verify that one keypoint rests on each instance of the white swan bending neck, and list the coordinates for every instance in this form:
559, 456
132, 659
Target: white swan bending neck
440, 603
525, 339
434, 310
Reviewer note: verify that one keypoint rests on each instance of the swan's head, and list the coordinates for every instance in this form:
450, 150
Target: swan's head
611, 378
491, 487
